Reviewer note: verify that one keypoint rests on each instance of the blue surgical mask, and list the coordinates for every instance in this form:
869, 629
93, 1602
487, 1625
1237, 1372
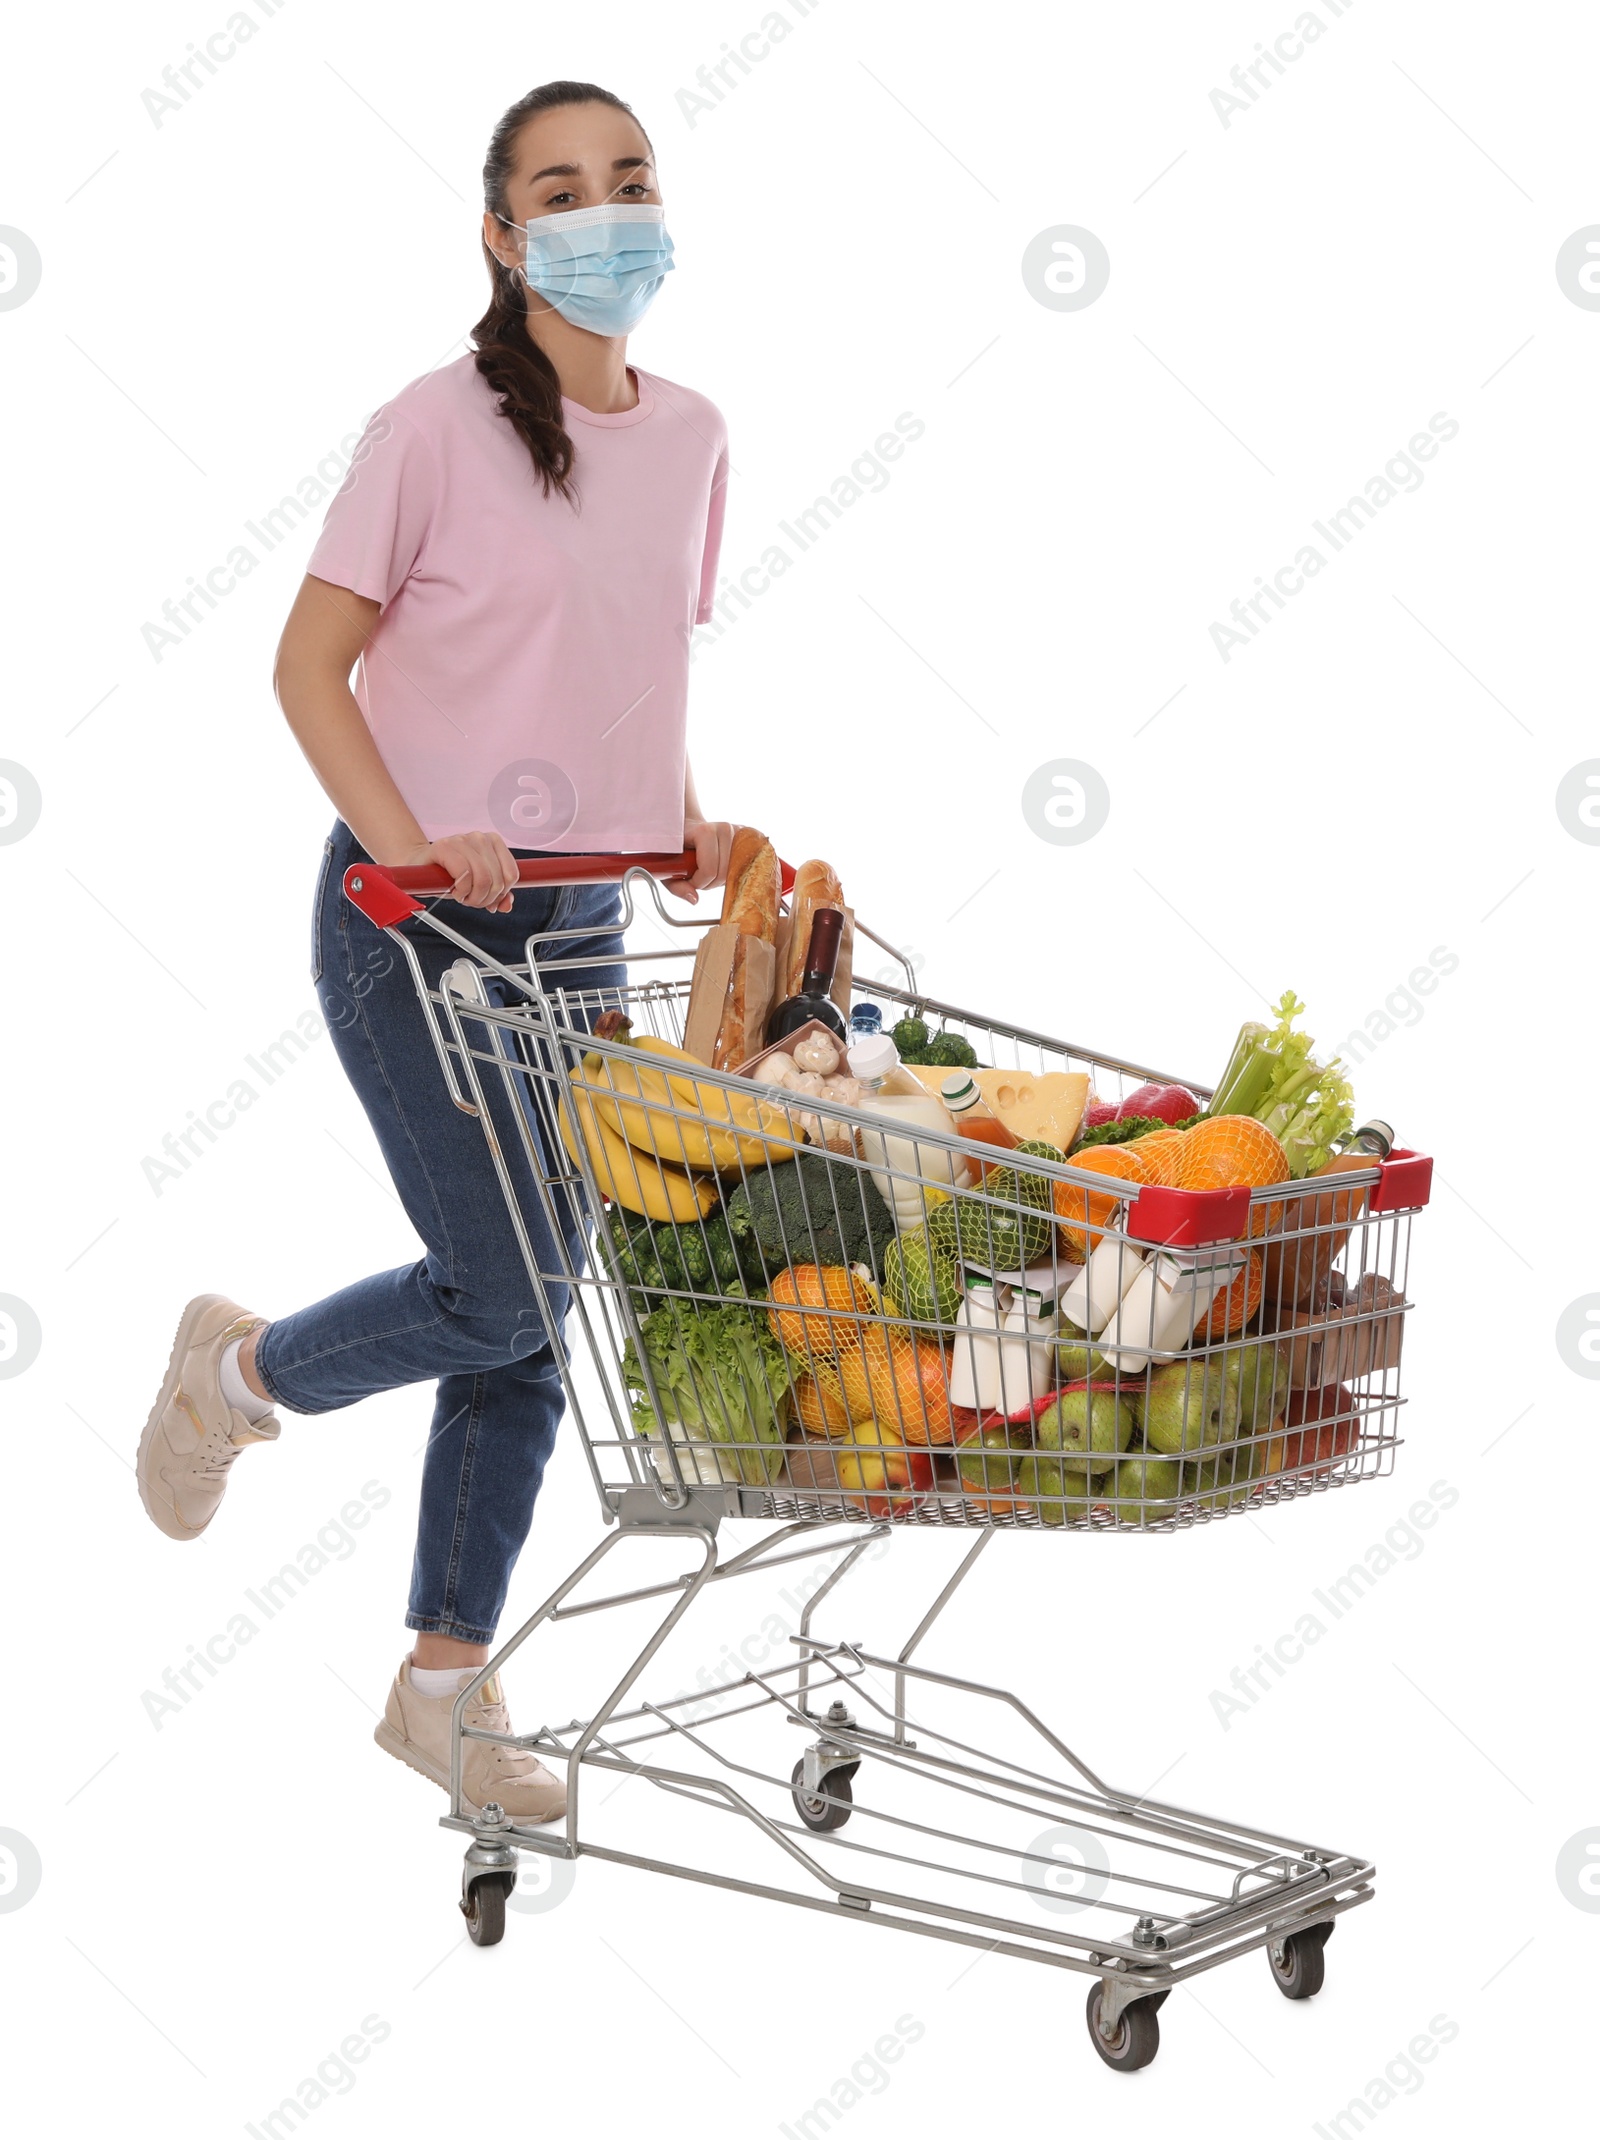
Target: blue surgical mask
599, 267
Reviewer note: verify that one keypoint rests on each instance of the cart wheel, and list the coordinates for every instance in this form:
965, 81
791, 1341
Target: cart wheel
1298, 1975
1138, 2036
822, 1814
485, 1908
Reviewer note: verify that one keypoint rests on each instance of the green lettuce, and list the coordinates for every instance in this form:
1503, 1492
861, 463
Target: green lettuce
721, 1376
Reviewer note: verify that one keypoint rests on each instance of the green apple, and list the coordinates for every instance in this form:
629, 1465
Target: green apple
1087, 1427
1190, 1405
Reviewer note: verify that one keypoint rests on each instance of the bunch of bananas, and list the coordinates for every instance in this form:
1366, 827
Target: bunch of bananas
658, 1137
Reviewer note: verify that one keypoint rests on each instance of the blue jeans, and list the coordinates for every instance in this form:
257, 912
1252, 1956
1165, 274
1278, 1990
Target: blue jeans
465, 1314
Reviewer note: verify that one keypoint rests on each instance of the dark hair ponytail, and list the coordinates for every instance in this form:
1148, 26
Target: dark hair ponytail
512, 362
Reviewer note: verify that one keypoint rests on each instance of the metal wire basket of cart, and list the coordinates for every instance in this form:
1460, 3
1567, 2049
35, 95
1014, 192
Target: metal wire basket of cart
783, 1307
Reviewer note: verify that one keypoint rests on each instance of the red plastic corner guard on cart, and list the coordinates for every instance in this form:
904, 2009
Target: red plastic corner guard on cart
1188, 1218
1405, 1182
1195, 1218
384, 894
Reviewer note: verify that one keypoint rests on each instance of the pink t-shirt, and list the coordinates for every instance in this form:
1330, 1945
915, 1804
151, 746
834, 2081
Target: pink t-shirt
530, 669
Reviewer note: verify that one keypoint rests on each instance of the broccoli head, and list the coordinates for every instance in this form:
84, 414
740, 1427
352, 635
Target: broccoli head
910, 1037
950, 1049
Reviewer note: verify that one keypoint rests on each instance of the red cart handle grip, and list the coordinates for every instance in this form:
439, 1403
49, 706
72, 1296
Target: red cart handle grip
384, 894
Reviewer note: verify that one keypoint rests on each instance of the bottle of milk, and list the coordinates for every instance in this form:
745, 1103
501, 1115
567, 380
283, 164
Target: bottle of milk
902, 1168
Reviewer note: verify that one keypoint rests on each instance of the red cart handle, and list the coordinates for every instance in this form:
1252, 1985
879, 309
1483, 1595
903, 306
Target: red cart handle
384, 894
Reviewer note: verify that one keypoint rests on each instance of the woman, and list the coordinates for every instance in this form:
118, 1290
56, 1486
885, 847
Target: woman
516, 560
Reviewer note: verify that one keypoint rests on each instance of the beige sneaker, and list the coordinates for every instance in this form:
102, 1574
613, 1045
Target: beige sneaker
416, 1730
193, 1435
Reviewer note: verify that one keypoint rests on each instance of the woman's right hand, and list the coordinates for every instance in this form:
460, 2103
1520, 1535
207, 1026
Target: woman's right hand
481, 865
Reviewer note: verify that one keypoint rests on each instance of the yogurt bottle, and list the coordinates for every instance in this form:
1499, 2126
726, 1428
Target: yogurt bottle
1091, 1299
1027, 1350
975, 1360
1171, 1295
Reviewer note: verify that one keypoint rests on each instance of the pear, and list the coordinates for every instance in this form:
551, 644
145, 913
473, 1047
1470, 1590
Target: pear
1078, 1359
1086, 1426
1145, 1489
987, 1465
1261, 1376
1058, 1496
1230, 1480
1191, 1404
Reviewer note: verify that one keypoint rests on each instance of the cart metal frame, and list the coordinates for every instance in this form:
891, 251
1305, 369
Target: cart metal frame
1202, 1891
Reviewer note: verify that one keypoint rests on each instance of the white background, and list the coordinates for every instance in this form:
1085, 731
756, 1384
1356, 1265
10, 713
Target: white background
1292, 297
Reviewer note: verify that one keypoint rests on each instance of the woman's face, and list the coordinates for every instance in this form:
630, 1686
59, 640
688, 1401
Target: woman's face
577, 156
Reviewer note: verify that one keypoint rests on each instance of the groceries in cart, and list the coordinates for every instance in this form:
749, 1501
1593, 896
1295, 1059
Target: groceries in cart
873, 1258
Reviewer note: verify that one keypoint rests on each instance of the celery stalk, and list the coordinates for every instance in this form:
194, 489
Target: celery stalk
1251, 1035
1273, 1076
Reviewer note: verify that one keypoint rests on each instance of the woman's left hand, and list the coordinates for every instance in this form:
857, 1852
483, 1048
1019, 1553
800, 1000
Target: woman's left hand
712, 841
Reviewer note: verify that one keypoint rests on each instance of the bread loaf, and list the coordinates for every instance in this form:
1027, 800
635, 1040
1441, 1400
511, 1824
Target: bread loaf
816, 884
744, 1015
751, 893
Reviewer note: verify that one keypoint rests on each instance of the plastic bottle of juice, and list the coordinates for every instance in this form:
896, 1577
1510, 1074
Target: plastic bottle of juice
972, 1118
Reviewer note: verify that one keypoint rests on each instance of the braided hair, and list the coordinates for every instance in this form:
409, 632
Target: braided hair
510, 360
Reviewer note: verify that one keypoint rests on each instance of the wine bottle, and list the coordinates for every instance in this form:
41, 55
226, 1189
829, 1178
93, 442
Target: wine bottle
813, 1001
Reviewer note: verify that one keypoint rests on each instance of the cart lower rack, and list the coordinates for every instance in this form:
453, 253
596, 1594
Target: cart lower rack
771, 1297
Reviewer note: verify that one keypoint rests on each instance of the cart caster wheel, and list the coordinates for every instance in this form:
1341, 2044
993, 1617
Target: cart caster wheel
1138, 2036
823, 1814
1158, 1999
1296, 1962
485, 1908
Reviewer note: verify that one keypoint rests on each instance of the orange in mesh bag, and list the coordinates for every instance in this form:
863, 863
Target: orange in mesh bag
1161, 1151
1236, 1303
818, 1340
900, 1381
819, 1404
1231, 1152
1079, 1211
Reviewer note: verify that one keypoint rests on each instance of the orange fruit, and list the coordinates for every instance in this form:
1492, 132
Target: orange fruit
1231, 1152
821, 1406
901, 1381
1236, 1303
823, 1338
1080, 1212
1160, 1150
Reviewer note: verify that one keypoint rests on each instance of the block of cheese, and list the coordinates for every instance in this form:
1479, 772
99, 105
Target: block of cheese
1048, 1105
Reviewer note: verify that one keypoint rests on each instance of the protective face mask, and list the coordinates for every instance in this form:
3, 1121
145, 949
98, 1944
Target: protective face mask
599, 267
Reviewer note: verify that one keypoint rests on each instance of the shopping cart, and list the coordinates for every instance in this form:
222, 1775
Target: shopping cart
783, 1345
